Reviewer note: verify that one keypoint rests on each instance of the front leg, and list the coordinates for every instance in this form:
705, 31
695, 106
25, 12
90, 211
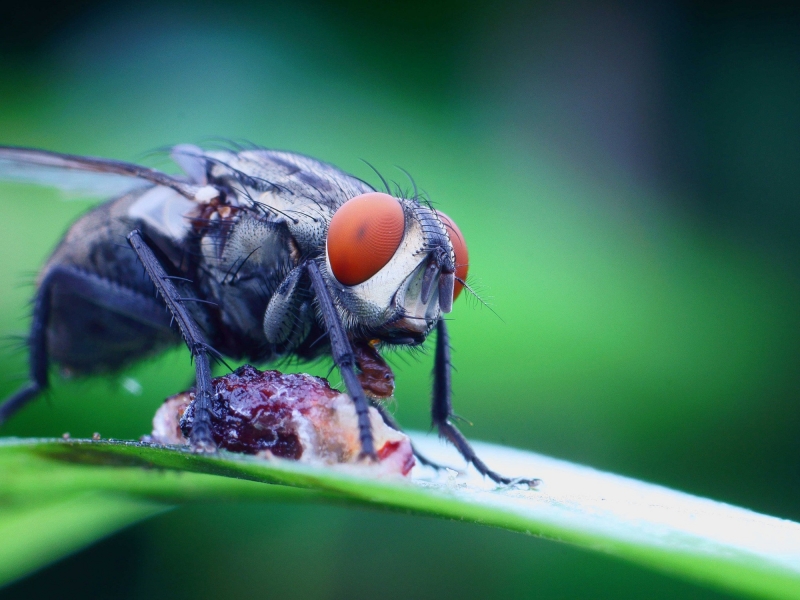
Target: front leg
200, 437
343, 357
442, 410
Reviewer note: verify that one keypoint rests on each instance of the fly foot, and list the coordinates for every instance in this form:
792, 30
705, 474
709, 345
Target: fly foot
427, 462
200, 436
368, 457
509, 483
202, 442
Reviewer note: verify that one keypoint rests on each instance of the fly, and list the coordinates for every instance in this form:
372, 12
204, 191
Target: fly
255, 254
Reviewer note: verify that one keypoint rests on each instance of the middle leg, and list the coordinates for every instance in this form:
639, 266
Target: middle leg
200, 437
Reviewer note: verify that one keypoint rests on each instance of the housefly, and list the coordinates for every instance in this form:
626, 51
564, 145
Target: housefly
252, 254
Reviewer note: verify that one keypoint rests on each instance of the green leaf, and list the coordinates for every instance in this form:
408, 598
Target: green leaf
59, 495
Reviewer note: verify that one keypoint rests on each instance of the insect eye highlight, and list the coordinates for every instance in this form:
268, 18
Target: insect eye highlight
363, 235
459, 249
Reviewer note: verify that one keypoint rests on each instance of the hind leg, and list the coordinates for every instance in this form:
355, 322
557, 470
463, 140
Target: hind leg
201, 435
101, 293
38, 361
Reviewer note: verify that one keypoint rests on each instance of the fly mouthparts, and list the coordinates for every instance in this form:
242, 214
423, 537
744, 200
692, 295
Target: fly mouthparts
447, 282
427, 281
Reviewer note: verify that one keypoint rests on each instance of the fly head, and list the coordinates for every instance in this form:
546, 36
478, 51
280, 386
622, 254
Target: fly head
393, 264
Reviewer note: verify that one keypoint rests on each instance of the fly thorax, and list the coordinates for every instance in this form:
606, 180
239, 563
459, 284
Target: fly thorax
247, 258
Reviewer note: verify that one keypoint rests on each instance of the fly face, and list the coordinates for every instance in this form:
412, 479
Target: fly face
392, 264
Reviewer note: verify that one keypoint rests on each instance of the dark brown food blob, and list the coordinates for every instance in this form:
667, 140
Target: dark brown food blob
252, 410
299, 417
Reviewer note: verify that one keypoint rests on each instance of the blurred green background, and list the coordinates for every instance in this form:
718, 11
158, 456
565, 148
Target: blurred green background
626, 177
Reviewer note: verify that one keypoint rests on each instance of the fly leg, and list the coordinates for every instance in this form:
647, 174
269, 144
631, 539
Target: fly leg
200, 437
38, 359
343, 357
97, 290
442, 410
390, 421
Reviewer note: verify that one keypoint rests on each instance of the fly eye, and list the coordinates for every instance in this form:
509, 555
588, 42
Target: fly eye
459, 249
363, 235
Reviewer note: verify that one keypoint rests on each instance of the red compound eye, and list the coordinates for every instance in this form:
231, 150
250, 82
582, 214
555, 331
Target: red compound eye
460, 250
363, 235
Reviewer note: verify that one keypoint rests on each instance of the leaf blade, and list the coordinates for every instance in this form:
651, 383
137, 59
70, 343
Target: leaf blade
675, 533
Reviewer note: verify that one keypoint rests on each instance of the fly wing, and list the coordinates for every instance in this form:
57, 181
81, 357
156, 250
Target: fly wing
83, 175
